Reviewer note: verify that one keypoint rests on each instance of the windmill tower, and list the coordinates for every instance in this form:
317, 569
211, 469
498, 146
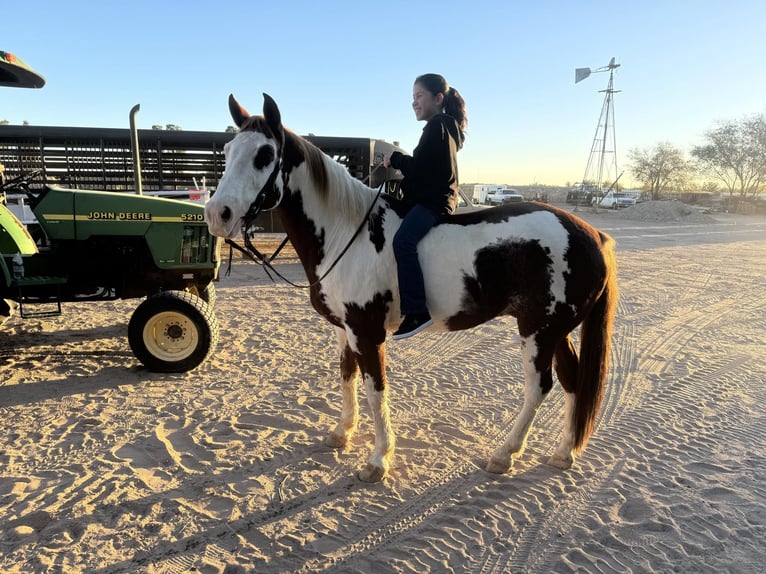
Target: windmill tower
601, 170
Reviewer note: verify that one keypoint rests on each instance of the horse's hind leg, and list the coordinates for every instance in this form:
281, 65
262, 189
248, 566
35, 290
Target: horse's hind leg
566, 363
349, 414
537, 384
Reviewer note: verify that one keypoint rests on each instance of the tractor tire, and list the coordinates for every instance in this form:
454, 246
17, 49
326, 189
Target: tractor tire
207, 293
173, 332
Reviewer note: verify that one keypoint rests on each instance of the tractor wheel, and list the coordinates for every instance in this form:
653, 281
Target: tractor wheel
173, 332
207, 293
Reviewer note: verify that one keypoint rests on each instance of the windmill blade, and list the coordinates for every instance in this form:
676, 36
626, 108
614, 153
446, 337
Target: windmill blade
581, 74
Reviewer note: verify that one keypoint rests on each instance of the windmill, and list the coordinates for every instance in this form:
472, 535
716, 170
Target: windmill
601, 168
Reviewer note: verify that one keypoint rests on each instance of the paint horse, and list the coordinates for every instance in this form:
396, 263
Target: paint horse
542, 265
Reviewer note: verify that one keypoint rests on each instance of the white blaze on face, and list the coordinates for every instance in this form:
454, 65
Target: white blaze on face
239, 186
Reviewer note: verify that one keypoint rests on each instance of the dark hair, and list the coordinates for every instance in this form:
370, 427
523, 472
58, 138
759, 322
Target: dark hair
454, 105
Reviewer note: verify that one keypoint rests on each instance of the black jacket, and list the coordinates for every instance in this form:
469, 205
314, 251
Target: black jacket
430, 173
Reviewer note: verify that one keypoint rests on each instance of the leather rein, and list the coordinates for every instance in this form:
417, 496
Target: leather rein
252, 252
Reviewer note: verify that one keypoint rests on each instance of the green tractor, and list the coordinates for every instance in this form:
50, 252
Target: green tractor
97, 246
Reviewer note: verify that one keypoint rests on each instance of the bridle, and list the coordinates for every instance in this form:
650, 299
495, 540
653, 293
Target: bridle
252, 252
270, 187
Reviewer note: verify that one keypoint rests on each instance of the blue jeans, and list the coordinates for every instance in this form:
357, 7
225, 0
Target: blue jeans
414, 227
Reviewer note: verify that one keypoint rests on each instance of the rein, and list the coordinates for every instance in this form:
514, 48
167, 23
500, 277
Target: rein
252, 252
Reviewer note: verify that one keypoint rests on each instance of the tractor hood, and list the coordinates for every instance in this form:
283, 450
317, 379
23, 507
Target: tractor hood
15, 73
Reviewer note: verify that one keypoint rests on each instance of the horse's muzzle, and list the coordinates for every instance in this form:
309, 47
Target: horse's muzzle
221, 221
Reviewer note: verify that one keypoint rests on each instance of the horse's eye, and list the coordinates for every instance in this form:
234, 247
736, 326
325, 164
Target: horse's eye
263, 157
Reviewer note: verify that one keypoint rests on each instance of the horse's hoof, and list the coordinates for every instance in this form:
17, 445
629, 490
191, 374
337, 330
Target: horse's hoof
336, 441
562, 462
372, 473
497, 466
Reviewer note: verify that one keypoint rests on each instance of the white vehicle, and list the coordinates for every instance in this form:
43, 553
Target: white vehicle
465, 205
614, 200
481, 191
505, 195
636, 194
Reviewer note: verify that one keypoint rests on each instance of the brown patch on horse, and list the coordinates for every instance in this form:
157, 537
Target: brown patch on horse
297, 150
348, 364
367, 322
510, 280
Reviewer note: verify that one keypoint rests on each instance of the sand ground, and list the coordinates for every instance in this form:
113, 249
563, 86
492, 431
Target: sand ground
106, 467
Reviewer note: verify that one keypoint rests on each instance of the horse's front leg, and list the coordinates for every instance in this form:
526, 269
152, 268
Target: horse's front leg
349, 413
372, 361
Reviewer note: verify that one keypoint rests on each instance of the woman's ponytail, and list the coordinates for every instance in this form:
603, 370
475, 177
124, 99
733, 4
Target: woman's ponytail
454, 105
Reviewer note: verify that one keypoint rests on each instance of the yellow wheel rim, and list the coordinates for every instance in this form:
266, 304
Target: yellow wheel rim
170, 336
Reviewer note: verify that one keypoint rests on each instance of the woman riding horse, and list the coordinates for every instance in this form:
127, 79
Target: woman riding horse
542, 265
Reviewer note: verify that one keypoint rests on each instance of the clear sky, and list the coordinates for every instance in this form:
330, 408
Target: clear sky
346, 68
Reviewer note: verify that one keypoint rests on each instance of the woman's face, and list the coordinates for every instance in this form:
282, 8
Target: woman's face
425, 104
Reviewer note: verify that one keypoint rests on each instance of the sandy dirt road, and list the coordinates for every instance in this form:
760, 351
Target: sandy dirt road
107, 468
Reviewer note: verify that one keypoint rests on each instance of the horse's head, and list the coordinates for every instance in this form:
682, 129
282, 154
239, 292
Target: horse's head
250, 183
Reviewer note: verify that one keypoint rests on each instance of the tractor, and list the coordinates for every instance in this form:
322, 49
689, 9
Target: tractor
98, 246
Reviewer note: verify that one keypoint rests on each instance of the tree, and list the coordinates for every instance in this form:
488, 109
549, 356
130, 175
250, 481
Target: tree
710, 186
735, 154
659, 169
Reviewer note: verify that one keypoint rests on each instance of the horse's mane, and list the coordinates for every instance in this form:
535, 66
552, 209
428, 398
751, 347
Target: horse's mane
334, 184
293, 145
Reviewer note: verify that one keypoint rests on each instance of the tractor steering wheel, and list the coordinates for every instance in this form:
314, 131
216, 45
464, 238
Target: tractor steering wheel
21, 182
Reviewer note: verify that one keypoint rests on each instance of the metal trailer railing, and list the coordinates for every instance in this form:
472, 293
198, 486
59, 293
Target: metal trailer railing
171, 162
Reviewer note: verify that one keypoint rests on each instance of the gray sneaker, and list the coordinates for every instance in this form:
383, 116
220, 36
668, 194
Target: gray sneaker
412, 325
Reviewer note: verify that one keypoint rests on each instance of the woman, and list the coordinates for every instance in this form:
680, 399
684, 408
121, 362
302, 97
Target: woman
430, 187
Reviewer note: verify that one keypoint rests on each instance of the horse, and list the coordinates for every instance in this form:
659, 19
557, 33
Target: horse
546, 267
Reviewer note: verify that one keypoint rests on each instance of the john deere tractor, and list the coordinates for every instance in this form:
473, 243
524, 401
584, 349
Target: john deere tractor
96, 246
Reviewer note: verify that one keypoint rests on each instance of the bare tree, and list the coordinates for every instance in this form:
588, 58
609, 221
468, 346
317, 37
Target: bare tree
735, 154
710, 186
659, 169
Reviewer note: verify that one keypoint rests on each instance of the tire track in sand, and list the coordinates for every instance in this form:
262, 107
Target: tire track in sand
625, 418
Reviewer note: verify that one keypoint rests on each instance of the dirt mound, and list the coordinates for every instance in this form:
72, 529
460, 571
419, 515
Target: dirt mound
666, 211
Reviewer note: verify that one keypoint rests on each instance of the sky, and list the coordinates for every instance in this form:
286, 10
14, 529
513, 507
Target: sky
346, 68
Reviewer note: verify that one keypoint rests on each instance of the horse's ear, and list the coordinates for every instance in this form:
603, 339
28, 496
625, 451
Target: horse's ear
238, 113
272, 115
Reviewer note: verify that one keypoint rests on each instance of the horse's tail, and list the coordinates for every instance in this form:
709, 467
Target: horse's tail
595, 345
